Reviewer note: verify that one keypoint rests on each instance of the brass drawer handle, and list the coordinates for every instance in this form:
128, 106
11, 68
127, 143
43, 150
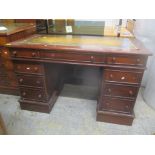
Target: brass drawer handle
138, 60
52, 54
39, 96
36, 68
130, 92
38, 82
127, 107
113, 59
109, 90
28, 68
21, 80
33, 54
111, 76
92, 58
14, 53
107, 103
123, 78
23, 94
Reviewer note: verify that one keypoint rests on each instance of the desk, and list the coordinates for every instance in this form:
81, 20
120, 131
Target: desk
42, 63
8, 82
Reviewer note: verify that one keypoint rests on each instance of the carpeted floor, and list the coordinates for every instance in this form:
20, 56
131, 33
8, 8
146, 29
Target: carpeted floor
73, 113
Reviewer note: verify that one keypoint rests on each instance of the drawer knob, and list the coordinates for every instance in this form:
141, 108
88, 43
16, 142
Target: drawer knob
36, 68
123, 78
109, 90
21, 80
38, 82
127, 107
28, 68
111, 76
33, 54
52, 55
14, 53
92, 58
39, 96
113, 59
130, 92
107, 103
138, 60
23, 94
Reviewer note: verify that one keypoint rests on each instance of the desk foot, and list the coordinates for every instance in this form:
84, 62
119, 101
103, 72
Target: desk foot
44, 107
113, 117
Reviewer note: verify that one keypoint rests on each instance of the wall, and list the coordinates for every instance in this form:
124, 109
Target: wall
145, 31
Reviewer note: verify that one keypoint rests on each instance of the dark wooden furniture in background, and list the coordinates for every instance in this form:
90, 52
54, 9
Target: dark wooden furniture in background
42, 61
15, 31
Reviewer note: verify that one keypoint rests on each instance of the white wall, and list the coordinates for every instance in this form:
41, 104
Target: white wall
145, 31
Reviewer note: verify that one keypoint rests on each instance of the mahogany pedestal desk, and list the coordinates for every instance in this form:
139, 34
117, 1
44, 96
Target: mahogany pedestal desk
41, 63
14, 31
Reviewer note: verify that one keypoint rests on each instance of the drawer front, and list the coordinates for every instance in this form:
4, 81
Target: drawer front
123, 76
120, 91
67, 56
127, 60
33, 94
118, 105
29, 68
23, 53
33, 81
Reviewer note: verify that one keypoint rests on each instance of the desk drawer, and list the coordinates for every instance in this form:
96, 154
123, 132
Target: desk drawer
66, 56
28, 80
127, 60
29, 68
24, 53
122, 76
118, 105
33, 94
123, 91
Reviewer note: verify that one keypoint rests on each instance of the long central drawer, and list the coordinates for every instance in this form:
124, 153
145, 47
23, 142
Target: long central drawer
72, 57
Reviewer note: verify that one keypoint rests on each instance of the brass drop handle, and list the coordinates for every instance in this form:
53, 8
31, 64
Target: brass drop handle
28, 68
14, 53
53, 54
36, 68
127, 107
92, 58
33, 54
23, 93
39, 96
113, 59
123, 78
38, 82
109, 90
21, 80
130, 92
111, 76
138, 60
